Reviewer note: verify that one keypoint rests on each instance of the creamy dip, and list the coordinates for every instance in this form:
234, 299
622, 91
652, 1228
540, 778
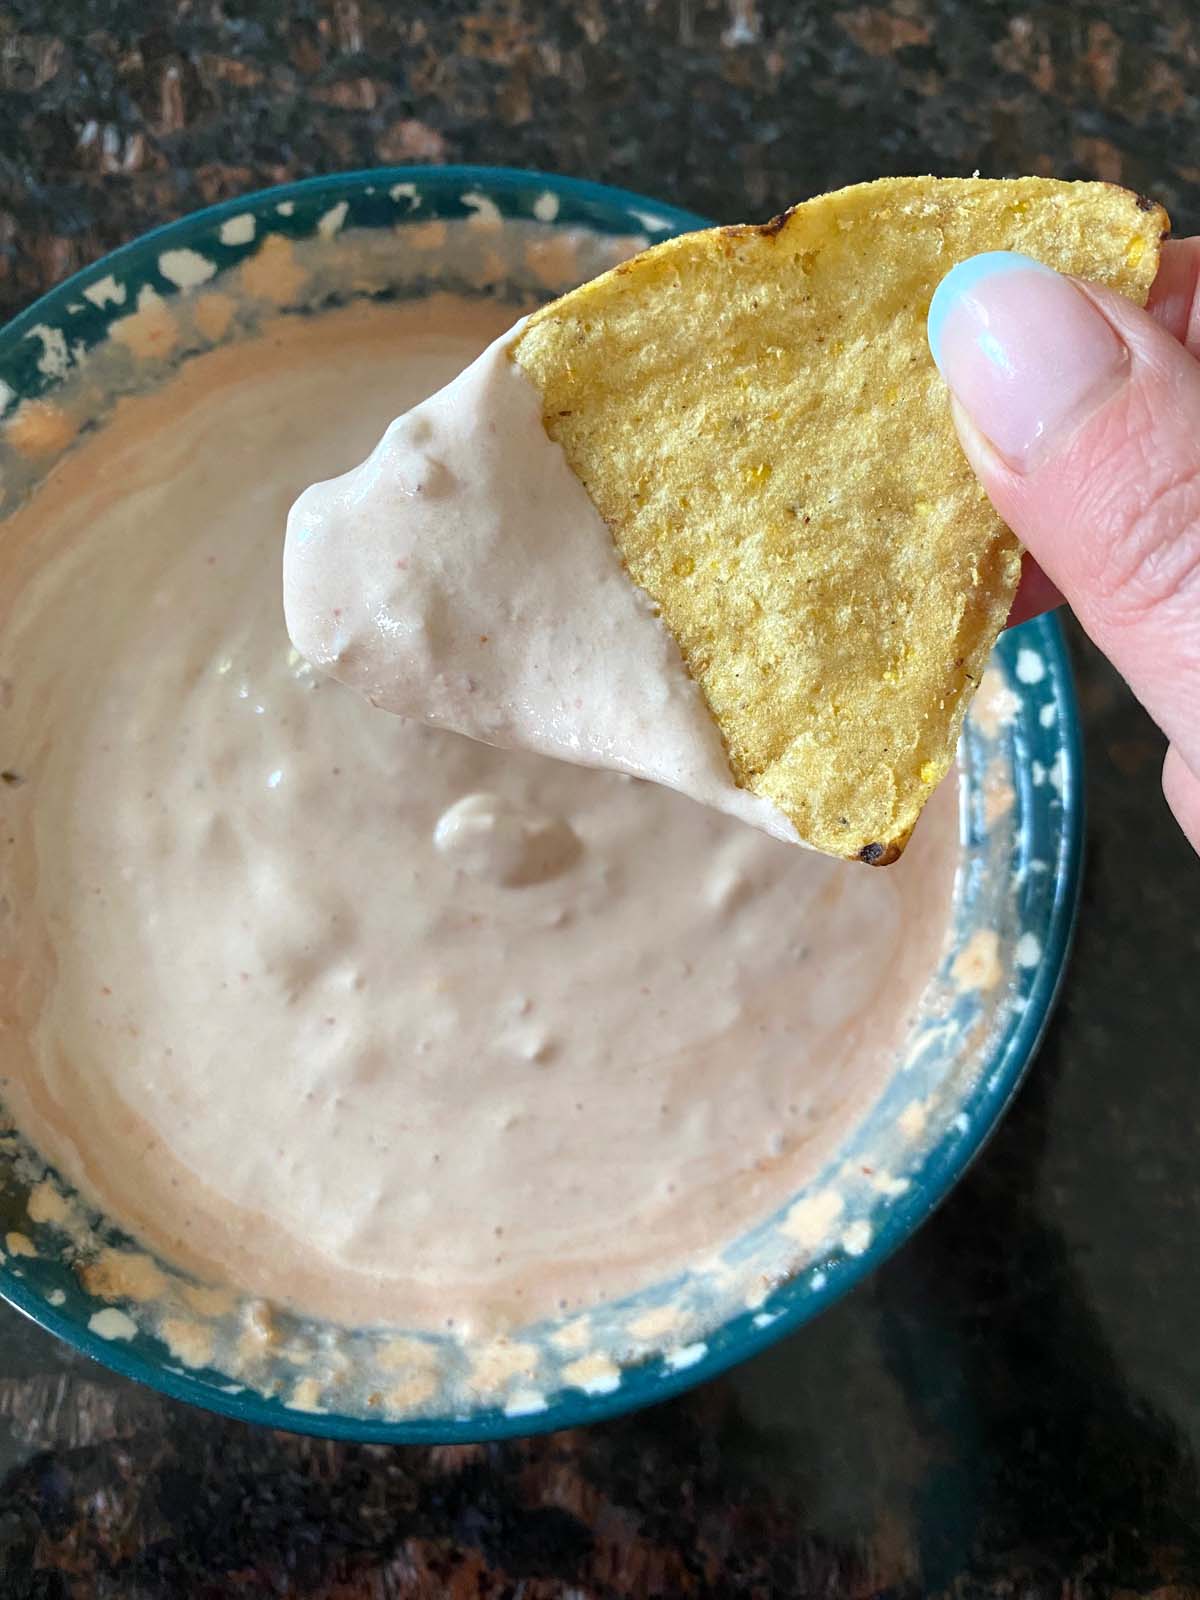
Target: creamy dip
462, 575
360, 1014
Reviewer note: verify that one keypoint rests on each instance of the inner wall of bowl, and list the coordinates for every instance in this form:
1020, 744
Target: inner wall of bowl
125, 326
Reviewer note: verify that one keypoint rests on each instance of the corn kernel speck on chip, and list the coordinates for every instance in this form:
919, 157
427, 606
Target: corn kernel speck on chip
756, 416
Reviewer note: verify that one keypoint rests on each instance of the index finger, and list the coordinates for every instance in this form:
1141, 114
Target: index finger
1175, 294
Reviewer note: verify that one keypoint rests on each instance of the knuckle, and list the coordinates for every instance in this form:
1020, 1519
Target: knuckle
1152, 559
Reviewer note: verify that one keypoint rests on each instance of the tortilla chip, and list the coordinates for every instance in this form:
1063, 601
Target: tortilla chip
755, 413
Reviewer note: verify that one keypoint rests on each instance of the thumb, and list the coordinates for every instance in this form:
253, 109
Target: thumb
1081, 416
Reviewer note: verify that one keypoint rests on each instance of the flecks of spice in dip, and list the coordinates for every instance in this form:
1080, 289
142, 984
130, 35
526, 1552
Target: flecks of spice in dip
353, 1013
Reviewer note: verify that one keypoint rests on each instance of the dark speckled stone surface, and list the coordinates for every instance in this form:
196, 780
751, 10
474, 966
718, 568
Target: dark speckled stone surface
1011, 1407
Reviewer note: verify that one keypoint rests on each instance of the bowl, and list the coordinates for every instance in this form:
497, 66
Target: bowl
403, 232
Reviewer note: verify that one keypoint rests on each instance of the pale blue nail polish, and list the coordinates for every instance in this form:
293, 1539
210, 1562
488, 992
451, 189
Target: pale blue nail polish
963, 280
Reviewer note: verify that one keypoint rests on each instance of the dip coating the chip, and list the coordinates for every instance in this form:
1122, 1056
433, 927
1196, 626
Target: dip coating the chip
755, 414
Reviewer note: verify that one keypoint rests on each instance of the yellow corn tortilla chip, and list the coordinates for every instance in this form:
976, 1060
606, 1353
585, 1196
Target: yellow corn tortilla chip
755, 414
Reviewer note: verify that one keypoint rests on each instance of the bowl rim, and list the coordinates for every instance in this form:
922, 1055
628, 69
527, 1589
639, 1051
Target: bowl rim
944, 1163
499, 180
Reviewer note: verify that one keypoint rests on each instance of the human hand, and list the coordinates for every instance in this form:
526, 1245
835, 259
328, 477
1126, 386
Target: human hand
1080, 414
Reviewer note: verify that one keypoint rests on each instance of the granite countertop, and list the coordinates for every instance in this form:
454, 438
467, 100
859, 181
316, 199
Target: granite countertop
1011, 1406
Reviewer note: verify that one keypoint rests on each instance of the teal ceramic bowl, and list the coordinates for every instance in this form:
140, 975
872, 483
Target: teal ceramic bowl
405, 232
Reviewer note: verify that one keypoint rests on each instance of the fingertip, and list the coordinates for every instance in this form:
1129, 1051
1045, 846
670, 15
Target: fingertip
1175, 293
1036, 594
1182, 790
